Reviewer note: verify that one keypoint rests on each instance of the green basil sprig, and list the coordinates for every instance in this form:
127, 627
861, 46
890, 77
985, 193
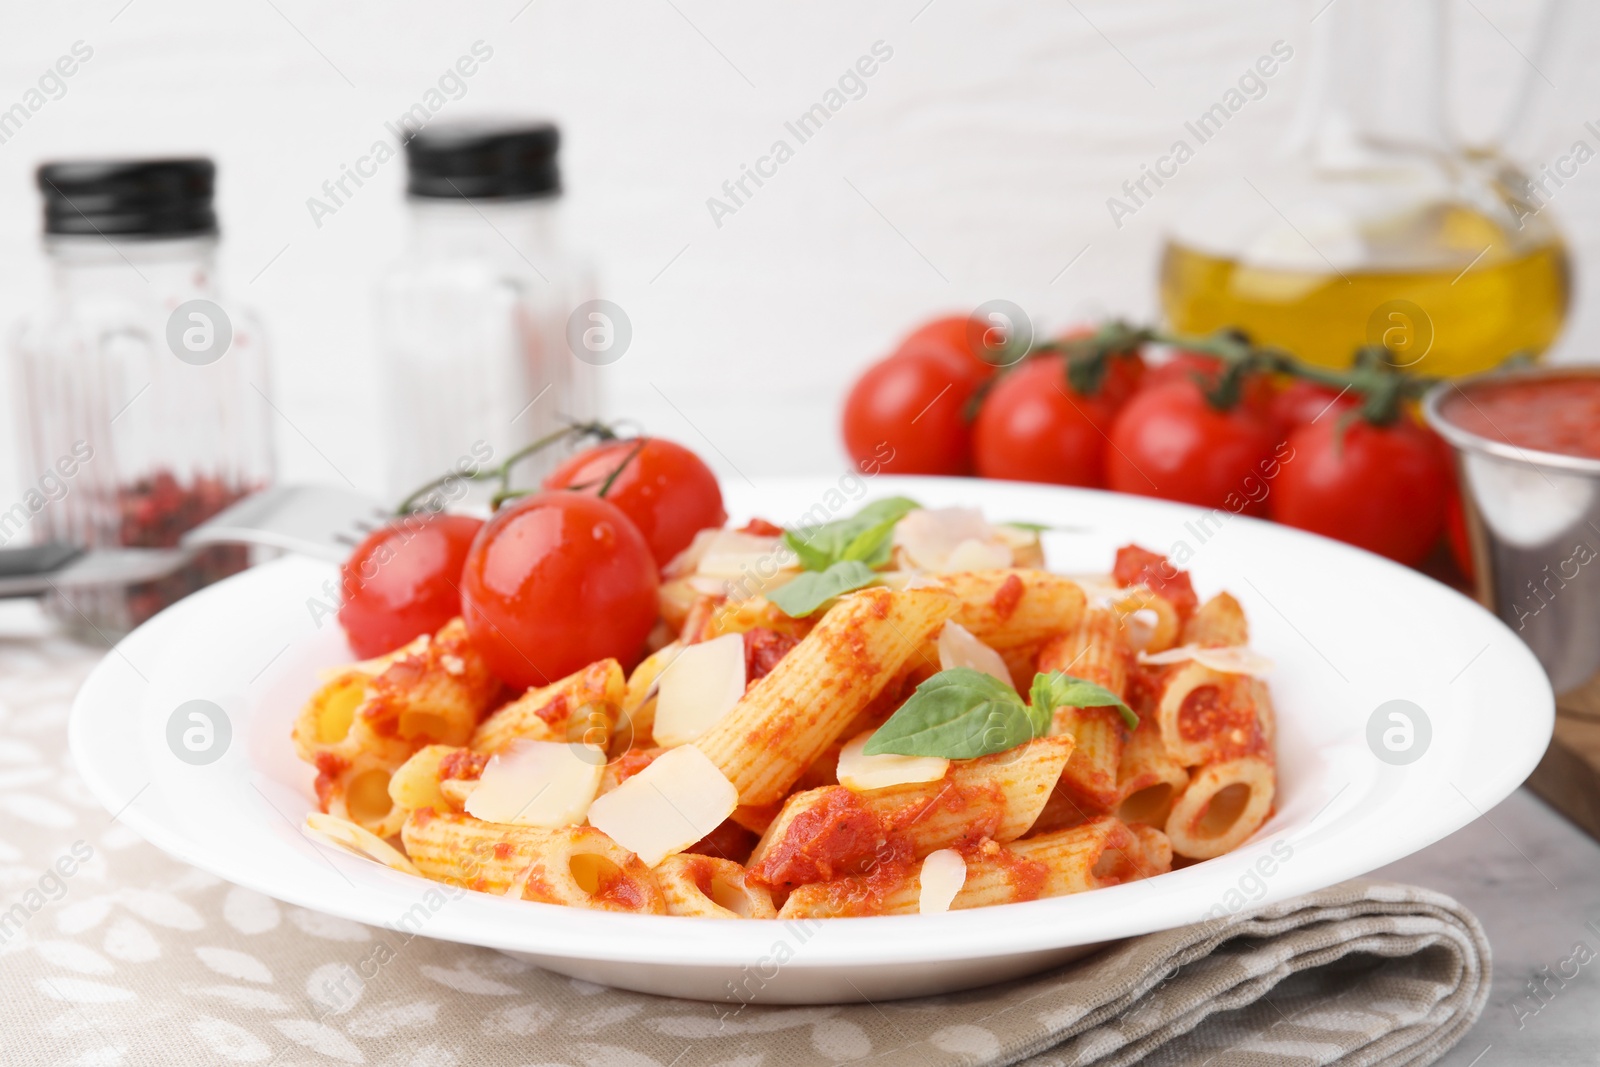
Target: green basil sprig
808, 591
864, 537
963, 713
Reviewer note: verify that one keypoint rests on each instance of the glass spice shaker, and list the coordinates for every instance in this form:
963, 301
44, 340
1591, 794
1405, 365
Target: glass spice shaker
473, 319
139, 371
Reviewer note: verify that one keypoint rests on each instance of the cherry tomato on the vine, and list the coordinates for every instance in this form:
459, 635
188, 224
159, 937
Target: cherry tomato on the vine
1196, 366
404, 580
907, 415
1301, 402
667, 490
1033, 427
1382, 488
556, 581
1169, 441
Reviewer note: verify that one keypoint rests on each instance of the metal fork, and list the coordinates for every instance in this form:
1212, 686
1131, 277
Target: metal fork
323, 522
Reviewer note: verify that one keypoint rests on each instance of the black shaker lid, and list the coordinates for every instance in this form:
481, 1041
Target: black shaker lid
481, 160
148, 197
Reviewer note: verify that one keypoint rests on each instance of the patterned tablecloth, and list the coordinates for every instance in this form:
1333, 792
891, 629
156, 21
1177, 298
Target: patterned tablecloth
111, 953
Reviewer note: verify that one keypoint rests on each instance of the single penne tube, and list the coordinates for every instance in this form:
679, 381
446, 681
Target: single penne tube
1090, 777
785, 720
1095, 855
577, 866
1015, 608
711, 888
436, 695
1225, 803
1205, 715
1155, 851
1148, 779
357, 789
1218, 622
582, 707
415, 784
1150, 623
822, 833
1094, 651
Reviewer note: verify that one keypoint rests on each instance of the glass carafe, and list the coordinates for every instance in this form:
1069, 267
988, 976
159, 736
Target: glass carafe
1374, 225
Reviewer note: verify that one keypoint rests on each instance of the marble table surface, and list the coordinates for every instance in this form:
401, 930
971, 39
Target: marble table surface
1533, 880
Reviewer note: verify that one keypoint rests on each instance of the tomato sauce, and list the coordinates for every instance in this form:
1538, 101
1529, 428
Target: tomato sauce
1140, 566
823, 842
1559, 414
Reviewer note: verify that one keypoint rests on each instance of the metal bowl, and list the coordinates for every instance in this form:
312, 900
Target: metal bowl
1533, 520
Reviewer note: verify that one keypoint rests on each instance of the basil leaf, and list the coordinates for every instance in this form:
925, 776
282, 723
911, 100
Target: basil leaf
809, 591
1031, 527
1059, 690
864, 536
960, 713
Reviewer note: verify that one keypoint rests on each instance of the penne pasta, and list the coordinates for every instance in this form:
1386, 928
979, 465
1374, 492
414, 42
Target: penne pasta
1225, 803
1094, 651
1015, 608
1095, 855
786, 719
582, 707
1149, 780
822, 833
759, 800
711, 888
1205, 715
1219, 621
577, 866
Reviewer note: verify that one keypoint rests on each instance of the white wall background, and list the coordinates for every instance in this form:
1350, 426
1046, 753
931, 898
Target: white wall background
976, 166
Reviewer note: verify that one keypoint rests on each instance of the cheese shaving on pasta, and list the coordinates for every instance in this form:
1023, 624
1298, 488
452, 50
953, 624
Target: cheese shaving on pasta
1228, 659
348, 837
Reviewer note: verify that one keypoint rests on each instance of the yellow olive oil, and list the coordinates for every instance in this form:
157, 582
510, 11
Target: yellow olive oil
1459, 314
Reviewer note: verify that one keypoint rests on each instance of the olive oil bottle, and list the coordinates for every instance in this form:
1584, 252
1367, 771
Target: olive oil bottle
1373, 225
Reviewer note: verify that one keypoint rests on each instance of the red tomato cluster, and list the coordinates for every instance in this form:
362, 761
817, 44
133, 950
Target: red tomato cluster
554, 580
1294, 451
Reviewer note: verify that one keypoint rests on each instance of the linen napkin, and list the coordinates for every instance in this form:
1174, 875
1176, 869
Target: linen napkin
133, 958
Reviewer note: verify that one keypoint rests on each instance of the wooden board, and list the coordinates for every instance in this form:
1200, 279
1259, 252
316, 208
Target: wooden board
1568, 778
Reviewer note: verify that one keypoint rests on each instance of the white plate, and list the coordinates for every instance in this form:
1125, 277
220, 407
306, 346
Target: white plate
1348, 631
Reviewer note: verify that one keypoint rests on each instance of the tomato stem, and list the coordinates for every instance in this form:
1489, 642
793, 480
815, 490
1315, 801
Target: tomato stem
502, 473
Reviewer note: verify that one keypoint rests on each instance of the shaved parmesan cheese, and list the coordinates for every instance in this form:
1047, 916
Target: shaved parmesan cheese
951, 539
859, 771
348, 837
733, 555
698, 688
1100, 590
538, 783
943, 874
975, 555
685, 562
678, 799
958, 648
1227, 659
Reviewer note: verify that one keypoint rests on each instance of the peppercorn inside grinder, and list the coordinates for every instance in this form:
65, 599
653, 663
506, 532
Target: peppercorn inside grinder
142, 391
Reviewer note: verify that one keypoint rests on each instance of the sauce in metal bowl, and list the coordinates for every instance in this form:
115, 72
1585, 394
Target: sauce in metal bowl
1551, 413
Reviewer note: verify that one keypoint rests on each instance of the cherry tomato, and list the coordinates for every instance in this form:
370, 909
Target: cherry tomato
404, 580
554, 582
666, 490
1034, 428
1301, 402
1125, 371
969, 344
1382, 488
1170, 442
907, 415
1192, 366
